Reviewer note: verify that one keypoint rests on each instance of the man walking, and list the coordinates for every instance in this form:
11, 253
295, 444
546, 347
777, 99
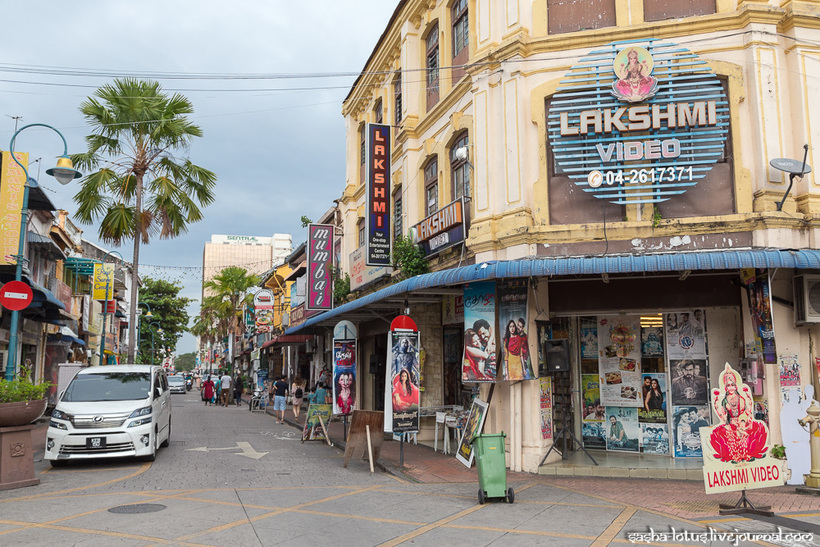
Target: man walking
238, 387
280, 393
226, 388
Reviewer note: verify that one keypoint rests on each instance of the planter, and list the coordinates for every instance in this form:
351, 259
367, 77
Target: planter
22, 413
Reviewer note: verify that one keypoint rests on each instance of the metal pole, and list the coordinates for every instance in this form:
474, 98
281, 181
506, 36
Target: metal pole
152, 344
105, 317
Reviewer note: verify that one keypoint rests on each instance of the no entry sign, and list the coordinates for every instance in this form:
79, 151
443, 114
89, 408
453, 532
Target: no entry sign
15, 295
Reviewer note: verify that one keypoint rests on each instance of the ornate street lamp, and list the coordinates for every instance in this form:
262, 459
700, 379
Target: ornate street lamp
64, 172
159, 331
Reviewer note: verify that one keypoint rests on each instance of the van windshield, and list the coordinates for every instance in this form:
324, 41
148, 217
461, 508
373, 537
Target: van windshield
111, 386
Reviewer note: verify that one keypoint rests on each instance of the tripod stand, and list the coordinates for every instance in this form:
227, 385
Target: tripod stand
563, 433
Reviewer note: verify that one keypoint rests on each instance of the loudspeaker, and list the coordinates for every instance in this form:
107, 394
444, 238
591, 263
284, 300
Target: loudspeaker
376, 362
556, 356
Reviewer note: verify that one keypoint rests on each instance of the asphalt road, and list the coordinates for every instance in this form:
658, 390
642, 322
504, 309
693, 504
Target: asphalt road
232, 477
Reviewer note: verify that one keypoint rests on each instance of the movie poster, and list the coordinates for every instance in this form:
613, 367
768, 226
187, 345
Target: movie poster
479, 361
762, 410
622, 429
593, 434
314, 430
344, 376
686, 334
653, 397
546, 407
654, 439
478, 412
404, 378
760, 308
619, 361
689, 383
516, 363
789, 370
686, 424
589, 340
651, 342
590, 391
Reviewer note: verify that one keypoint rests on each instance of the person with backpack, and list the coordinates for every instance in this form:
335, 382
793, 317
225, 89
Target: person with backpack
298, 391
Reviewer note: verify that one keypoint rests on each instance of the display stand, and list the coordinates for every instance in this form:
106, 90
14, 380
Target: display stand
565, 431
744, 505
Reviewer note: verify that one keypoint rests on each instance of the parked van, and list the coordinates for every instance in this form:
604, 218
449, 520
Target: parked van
111, 411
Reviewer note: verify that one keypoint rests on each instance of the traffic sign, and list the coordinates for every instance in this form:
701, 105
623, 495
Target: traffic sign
16, 295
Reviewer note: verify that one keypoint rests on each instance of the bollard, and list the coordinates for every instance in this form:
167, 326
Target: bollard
812, 419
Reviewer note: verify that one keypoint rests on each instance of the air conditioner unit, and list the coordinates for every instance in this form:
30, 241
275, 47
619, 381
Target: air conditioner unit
806, 299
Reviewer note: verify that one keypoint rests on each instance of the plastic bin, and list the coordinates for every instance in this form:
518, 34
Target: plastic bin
492, 467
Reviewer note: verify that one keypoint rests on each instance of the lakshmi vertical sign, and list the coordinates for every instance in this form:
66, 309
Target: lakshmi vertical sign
320, 280
377, 229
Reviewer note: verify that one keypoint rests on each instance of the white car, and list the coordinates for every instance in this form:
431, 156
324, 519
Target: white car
111, 411
176, 384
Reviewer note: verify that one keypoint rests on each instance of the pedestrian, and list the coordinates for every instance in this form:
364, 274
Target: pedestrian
217, 387
298, 391
238, 387
208, 390
319, 396
280, 393
226, 388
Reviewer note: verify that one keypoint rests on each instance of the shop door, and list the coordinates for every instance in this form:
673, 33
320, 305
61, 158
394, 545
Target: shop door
379, 370
453, 350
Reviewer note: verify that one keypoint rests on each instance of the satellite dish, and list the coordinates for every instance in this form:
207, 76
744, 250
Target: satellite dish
793, 167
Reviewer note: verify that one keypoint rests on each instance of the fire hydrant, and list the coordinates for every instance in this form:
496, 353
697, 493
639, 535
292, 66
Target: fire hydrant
812, 419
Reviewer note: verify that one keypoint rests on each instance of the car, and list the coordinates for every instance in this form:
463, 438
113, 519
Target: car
176, 384
110, 411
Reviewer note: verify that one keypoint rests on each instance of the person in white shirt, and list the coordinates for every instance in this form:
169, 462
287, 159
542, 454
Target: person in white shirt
226, 388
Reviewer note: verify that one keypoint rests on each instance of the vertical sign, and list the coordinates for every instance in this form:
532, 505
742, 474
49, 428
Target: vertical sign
320, 281
479, 362
377, 229
402, 383
103, 282
263, 307
11, 202
344, 368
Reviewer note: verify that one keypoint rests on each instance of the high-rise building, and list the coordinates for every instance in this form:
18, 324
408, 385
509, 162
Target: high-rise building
254, 253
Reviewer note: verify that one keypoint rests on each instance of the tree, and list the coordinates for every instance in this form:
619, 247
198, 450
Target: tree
185, 362
408, 258
168, 309
136, 188
229, 290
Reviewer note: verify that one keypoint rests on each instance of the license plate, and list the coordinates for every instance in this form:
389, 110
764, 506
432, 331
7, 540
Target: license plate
95, 442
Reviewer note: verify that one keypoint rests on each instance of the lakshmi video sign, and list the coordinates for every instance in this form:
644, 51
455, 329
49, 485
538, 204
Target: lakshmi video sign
638, 122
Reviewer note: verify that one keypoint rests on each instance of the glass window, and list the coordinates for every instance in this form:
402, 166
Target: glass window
574, 15
378, 111
460, 170
660, 10
431, 186
361, 233
432, 67
114, 386
397, 96
461, 29
398, 229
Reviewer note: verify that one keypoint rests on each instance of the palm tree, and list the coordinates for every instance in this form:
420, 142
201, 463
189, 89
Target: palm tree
136, 187
229, 290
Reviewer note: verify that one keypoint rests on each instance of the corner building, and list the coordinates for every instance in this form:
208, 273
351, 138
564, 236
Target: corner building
618, 165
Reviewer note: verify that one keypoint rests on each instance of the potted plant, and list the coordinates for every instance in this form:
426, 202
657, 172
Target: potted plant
21, 400
778, 451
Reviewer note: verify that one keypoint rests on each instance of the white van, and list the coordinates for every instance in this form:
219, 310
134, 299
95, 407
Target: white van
111, 411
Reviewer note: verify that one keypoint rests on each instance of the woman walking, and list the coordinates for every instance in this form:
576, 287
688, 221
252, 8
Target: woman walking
298, 391
208, 390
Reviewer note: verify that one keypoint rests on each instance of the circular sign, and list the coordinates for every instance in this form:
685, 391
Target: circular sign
638, 122
16, 295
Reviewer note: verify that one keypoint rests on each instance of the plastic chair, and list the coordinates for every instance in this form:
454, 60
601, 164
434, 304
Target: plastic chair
440, 421
451, 422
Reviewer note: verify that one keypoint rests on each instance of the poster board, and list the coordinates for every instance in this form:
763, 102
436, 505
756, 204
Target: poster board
357, 434
402, 390
475, 422
313, 430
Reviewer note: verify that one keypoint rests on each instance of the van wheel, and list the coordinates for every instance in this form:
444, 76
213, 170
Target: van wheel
167, 440
58, 463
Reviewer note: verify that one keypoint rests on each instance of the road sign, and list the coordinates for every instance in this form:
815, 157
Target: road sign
16, 295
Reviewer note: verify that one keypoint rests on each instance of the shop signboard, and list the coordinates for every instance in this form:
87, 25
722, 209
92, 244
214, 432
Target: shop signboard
263, 306
479, 362
103, 281
475, 423
12, 185
516, 361
736, 451
402, 387
638, 121
361, 274
319, 267
344, 368
443, 229
377, 217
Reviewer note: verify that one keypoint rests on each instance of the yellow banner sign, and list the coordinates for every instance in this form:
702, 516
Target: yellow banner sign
12, 185
103, 282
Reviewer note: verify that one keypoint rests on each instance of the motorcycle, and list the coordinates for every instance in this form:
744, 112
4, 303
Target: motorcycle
189, 383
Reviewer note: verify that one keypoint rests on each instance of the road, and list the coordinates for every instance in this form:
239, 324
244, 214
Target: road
232, 477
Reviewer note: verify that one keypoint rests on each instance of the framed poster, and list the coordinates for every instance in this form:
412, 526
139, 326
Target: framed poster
516, 363
622, 429
344, 376
479, 362
475, 422
405, 375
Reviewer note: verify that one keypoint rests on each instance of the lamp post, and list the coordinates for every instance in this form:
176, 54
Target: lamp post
64, 172
108, 277
159, 331
148, 315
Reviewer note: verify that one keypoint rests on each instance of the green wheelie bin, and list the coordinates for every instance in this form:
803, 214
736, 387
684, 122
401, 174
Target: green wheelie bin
492, 468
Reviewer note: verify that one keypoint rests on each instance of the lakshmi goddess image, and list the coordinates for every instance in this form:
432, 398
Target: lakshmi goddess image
738, 437
633, 68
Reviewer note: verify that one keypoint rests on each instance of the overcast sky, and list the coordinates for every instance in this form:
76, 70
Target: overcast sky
278, 152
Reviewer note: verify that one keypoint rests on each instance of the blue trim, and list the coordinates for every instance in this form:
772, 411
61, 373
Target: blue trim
546, 267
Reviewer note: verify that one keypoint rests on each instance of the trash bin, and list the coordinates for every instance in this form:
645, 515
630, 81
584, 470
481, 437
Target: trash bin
492, 467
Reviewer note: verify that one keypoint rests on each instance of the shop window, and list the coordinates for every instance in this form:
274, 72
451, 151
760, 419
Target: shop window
573, 15
461, 38
398, 228
378, 112
431, 187
459, 169
360, 227
397, 98
661, 10
432, 65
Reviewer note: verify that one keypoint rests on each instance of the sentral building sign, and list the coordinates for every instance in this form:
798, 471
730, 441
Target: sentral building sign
638, 122
241, 240
377, 229
441, 230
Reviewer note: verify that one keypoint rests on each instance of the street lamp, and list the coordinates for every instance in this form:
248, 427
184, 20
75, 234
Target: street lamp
148, 315
108, 277
159, 331
64, 172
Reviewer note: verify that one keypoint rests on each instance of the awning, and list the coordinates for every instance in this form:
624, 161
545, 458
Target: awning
66, 335
287, 340
47, 245
563, 266
37, 199
297, 272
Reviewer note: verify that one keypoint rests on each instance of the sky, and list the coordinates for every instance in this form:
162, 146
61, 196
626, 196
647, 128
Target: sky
277, 144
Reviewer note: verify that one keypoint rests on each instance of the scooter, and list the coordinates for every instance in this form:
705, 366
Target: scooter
189, 383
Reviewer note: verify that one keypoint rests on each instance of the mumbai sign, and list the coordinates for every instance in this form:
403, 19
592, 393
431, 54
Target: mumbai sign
377, 230
319, 263
638, 122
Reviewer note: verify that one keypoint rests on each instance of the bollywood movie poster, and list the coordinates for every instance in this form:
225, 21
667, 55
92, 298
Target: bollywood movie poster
546, 407
593, 434
591, 392
689, 383
475, 422
589, 340
479, 360
653, 397
686, 334
686, 424
651, 342
344, 376
516, 363
313, 430
789, 370
758, 291
622, 429
654, 439
619, 360
736, 450
762, 410
404, 377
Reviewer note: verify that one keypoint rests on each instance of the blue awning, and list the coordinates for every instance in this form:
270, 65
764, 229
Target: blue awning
808, 259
